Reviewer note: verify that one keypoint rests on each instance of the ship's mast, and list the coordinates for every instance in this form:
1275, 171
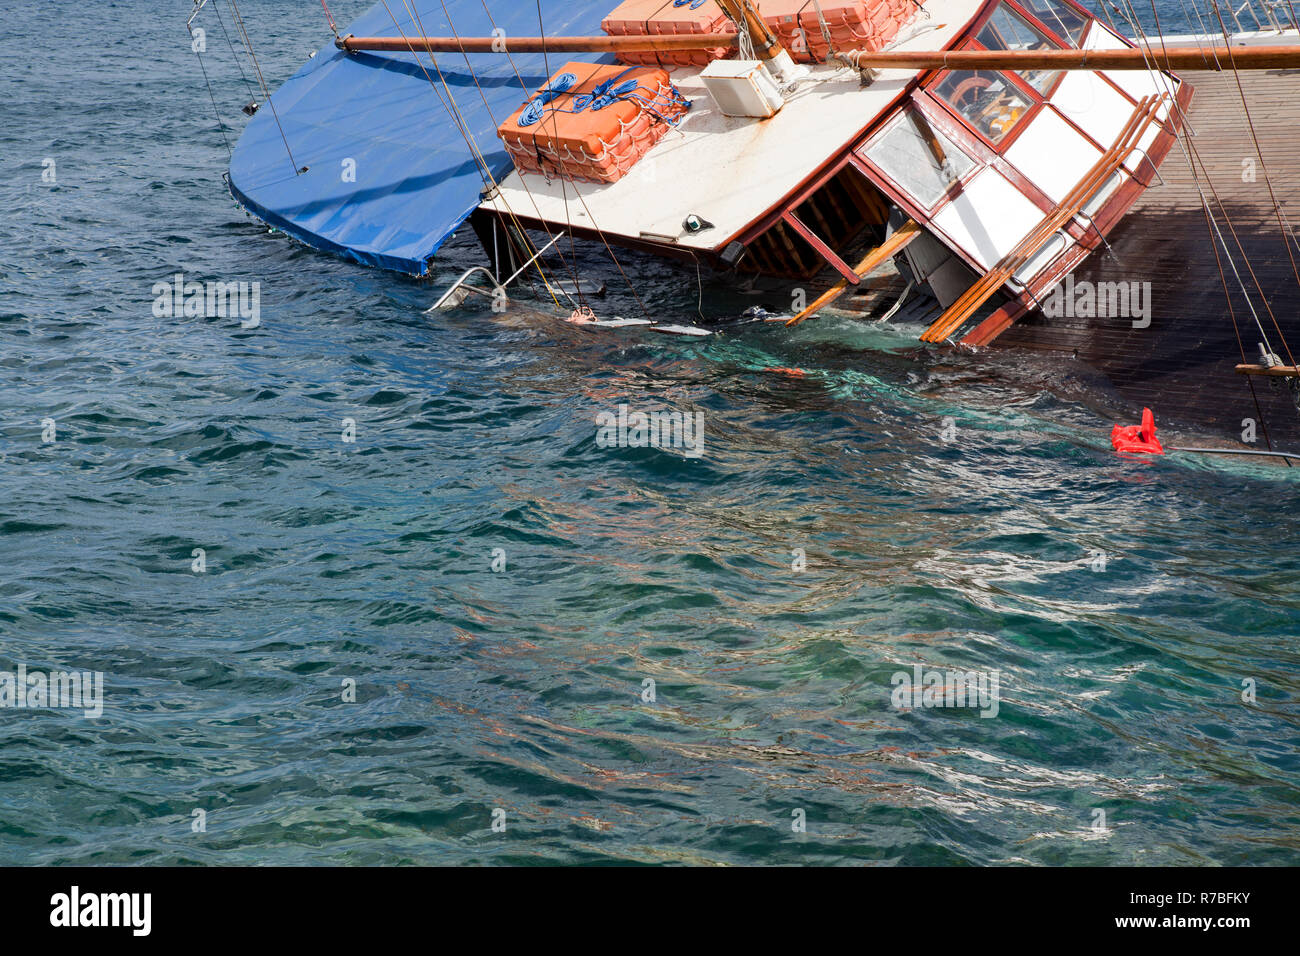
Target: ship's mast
767, 48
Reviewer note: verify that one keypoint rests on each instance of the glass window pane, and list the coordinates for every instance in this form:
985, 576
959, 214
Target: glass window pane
1008, 30
902, 152
1063, 20
988, 100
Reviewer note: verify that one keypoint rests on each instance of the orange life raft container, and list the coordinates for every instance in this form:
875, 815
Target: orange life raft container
669, 18
592, 122
853, 24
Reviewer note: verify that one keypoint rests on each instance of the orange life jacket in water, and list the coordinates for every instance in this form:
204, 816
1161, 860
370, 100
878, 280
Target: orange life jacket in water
1138, 438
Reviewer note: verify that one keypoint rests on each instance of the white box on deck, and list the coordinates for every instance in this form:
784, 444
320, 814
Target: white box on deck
742, 88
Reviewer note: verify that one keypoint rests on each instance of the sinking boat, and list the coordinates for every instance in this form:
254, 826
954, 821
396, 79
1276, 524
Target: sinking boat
982, 149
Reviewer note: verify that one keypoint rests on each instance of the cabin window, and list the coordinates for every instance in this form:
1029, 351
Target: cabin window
904, 151
988, 100
1008, 30
1059, 17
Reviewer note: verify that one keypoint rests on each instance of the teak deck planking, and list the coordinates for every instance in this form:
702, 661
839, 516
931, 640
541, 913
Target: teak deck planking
1184, 365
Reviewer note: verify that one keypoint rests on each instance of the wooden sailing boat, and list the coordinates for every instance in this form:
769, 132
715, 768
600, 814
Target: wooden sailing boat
975, 165
989, 147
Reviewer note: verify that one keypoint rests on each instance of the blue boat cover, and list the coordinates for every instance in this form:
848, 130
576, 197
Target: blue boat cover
389, 175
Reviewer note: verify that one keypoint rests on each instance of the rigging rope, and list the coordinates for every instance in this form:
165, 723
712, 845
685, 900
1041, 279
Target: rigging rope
608, 248
329, 17
1288, 235
1204, 32
1241, 346
448, 102
453, 111
239, 22
221, 126
494, 189
234, 55
1281, 225
564, 186
1192, 155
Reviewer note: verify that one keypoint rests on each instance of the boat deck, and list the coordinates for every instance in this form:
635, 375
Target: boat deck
1182, 365
731, 171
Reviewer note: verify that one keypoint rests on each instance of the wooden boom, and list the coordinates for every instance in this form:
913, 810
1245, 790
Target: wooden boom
1214, 58
601, 44
1271, 371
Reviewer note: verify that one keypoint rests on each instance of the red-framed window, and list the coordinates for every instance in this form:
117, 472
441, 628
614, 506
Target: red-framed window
989, 103
1011, 24
997, 105
906, 152
1008, 28
994, 103
1065, 20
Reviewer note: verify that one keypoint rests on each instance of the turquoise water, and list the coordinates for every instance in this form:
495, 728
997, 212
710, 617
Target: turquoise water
522, 690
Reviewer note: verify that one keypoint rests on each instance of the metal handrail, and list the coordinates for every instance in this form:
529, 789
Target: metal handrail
499, 288
1279, 15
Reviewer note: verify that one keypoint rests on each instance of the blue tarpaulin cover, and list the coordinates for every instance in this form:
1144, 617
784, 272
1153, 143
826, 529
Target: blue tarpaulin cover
416, 180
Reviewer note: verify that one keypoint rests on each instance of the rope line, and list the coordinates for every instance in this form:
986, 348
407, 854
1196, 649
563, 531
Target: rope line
239, 22
599, 232
234, 55
564, 186
495, 188
329, 17
1288, 236
453, 110
1192, 155
221, 126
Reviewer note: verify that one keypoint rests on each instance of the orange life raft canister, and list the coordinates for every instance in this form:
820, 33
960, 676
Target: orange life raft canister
668, 18
592, 122
853, 24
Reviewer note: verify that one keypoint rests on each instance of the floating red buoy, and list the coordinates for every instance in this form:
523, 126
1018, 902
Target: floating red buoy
1138, 438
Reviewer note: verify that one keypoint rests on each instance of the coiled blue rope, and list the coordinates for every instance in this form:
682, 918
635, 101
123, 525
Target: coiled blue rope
606, 94
536, 109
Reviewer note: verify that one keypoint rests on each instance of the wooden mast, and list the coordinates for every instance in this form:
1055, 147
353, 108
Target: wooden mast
766, 46
600, 44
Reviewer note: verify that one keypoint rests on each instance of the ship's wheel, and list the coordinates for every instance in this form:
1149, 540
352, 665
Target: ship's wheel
965, 96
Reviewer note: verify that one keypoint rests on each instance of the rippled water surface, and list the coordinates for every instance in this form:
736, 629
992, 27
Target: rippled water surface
523, 690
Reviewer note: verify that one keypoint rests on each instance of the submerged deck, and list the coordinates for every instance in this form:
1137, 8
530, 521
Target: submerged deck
1182, 366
